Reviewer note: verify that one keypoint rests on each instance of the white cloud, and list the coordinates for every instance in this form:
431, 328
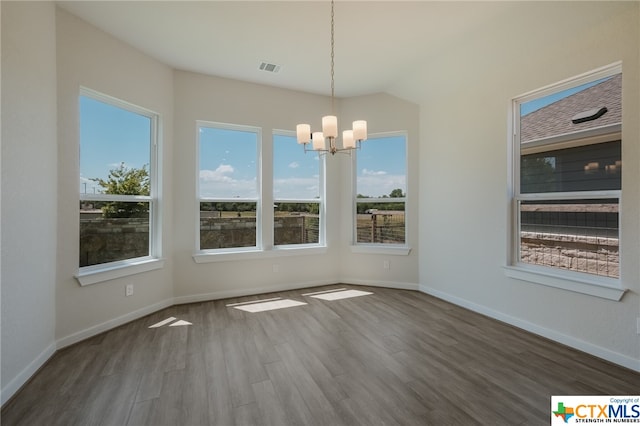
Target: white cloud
294, 165
379, 184
366, 172
292, 188
218, 175
221, 183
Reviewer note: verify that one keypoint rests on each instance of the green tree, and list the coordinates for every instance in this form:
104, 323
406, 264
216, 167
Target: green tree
125, 180
396, 193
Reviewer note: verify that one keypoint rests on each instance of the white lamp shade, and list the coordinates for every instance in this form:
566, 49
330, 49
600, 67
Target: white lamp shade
318, 141
347, 139
360, 130
330, 126
303, 131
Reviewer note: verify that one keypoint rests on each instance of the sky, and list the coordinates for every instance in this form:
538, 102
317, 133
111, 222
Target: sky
228, 167
381, 166
228, 157
109, 136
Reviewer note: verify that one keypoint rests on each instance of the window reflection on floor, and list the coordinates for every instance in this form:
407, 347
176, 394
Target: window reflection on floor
261, 306
171, 323
338, 294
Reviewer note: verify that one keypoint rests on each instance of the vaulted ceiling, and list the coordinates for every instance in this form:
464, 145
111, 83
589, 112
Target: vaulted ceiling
376, 42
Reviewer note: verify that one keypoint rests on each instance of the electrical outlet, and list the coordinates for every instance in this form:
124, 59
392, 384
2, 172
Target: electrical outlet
276, 267
128, 290
638, 325
386, 264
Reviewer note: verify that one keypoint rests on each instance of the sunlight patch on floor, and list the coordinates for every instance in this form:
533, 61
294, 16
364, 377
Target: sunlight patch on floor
324, 291
170, 320
163, 322
251, 302
269, 306
337, 295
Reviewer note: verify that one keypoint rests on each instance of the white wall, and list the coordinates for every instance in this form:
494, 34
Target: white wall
29, 189
201, 97
90, 58
464, 92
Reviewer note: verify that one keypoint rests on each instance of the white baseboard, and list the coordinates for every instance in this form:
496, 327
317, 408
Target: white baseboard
597, 351
226, 294
23, 377
387, 284
112, 323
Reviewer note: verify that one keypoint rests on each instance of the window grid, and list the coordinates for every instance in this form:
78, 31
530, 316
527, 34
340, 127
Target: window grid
116, 228
381, 220
298, 218
576, 230
229, 223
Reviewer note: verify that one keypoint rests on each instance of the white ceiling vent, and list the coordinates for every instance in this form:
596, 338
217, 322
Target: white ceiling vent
269, 67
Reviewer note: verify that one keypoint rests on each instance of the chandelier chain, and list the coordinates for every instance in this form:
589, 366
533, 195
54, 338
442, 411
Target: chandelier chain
351, 139
332, 61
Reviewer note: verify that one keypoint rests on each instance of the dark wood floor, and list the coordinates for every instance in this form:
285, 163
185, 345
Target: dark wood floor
391, 358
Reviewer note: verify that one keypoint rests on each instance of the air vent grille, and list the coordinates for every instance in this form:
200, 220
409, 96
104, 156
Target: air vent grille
269, 67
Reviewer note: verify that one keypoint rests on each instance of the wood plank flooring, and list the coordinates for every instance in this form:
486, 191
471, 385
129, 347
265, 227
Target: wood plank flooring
391, 358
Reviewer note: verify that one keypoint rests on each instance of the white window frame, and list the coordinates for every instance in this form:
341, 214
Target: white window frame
380, 248
320, 201
203, 255
93, 274
599, 286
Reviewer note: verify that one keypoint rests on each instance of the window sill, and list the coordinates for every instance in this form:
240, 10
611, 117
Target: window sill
605, 288
226, 256
100, 273
381, 249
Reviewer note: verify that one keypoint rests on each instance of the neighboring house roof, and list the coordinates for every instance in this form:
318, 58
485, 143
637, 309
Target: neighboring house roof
556, 118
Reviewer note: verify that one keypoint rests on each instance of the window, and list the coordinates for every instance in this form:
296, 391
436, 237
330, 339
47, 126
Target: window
228, 187
297, 193
381, 188
567, 178
118, 195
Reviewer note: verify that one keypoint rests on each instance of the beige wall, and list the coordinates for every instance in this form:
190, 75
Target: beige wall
29, 196
464, 93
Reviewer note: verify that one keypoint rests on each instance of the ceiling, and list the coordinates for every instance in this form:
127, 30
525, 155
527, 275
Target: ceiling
376, 42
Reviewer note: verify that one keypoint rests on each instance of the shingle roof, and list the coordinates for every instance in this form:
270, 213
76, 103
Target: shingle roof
555, 119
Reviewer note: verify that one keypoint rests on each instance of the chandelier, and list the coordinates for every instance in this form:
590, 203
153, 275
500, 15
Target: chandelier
326, 140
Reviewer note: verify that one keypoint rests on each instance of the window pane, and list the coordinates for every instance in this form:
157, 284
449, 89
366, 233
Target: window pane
296, 223
382, 167
113, 231
585, 168
296, 175
227, 225
577, 235
228, 163
112, 140
382, 223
